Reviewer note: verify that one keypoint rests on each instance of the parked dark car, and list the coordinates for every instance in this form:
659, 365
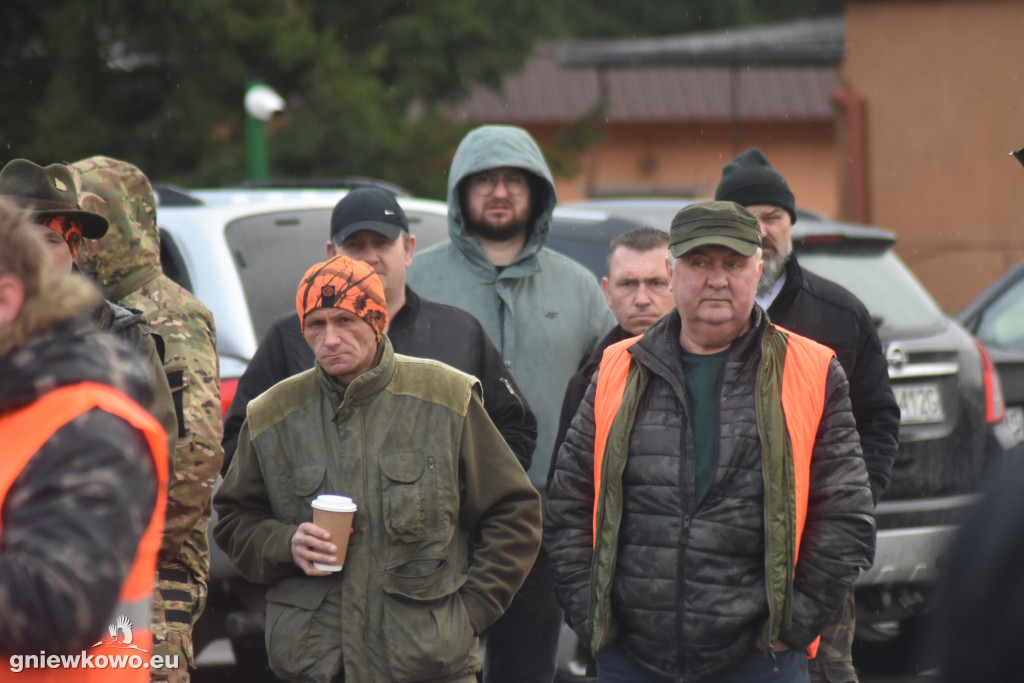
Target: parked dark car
997, 319
949, 395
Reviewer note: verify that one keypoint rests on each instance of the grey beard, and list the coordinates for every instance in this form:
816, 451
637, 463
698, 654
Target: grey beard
773, 269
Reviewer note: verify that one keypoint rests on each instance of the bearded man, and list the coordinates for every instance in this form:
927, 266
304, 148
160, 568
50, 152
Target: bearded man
544, 312
814, 307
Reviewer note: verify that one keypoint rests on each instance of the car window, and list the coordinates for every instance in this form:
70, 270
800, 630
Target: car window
1001, 324
898, 303
272, 251
429, 228
586, 240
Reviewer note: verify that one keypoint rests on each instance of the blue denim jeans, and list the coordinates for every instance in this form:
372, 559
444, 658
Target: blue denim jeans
613, 666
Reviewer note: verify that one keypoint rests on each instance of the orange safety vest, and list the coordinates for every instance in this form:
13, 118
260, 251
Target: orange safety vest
804, 377
23, 432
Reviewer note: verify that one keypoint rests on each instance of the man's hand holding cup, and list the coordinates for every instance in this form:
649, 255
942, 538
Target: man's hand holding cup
319, 547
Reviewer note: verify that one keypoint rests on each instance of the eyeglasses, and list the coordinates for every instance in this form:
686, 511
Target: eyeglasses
485, 183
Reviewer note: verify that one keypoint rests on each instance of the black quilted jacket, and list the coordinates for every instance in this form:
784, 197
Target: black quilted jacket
688, 595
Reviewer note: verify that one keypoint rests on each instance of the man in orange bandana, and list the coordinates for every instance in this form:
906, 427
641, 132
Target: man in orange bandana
345, 284
332, 297
446, 526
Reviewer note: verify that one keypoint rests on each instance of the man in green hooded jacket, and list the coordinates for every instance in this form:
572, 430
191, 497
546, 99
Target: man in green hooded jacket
544, 312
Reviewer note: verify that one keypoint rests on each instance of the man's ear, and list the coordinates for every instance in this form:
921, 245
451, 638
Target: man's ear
12, 296
410, 249
604, 288
331, 249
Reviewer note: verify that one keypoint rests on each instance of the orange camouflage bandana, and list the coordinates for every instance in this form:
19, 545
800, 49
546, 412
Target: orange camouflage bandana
352, 286
70, 229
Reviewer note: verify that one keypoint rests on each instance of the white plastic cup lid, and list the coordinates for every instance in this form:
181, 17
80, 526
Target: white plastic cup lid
332, 503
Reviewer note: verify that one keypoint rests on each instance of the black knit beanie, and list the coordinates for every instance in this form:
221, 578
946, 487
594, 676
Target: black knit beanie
749, 179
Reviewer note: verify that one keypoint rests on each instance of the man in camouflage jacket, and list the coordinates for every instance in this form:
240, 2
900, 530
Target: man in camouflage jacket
127, 263
73, 517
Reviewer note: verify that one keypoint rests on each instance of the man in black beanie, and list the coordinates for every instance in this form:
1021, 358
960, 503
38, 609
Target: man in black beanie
812, 306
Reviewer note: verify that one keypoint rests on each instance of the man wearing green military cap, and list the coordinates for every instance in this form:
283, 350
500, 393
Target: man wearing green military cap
709, 510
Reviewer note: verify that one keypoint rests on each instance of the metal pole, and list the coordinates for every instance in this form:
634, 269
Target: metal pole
256, 140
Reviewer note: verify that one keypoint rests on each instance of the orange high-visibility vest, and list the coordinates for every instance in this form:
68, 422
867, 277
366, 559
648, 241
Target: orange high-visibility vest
23, 432
804, 376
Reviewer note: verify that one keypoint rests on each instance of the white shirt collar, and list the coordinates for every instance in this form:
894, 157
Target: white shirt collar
765, 300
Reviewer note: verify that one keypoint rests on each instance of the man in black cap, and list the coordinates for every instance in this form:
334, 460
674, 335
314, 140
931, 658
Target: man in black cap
369, 225
827, 313
709, 509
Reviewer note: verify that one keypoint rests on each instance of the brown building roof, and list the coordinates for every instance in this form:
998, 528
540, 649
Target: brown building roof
703, 77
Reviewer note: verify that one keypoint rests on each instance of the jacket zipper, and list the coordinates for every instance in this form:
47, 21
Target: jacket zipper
508, 385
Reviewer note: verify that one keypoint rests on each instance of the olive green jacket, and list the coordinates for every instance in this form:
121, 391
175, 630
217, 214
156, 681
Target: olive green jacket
446, 530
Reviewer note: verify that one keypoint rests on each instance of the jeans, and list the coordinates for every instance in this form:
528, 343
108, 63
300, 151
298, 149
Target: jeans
521, 646
790, 666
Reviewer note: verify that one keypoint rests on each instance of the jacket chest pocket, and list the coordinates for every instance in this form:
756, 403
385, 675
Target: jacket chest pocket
411, 488
304, 482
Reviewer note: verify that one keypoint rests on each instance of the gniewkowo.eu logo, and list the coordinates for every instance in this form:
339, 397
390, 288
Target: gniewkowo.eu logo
120, 639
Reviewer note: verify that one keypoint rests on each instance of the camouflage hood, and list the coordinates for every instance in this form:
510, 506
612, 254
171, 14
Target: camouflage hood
129, 255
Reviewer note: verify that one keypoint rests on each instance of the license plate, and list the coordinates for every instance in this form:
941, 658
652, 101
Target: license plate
919, 403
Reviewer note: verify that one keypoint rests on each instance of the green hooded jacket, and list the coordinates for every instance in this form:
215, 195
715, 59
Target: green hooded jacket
544, 312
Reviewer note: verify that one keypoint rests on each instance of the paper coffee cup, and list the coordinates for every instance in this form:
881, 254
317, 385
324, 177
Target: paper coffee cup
334, 514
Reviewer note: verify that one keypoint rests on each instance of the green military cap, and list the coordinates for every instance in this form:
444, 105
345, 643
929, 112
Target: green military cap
724, 223
48, 191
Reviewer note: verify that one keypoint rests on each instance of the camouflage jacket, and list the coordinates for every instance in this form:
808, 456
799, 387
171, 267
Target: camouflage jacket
130, 327
127, 264
74, 516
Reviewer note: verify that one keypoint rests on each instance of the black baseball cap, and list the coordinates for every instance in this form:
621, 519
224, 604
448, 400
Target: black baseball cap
368, 208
